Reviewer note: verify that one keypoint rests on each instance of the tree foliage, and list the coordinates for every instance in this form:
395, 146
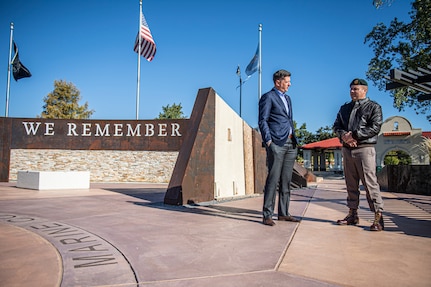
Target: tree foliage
172, 112
63, 103
397, 157
325, 133
380, 3
304, 137
402, 46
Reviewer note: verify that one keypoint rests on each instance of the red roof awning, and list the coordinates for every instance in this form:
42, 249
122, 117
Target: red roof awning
334, 143
427, 134
386, 134
325, 144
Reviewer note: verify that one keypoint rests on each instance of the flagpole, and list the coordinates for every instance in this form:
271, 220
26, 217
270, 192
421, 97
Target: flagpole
240, 92
259, 84
8, 71
139, 60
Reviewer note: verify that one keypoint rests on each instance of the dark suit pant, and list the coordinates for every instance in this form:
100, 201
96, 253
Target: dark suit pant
280, 161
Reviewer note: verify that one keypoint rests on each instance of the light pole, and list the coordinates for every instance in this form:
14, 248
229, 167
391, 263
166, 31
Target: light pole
238, 72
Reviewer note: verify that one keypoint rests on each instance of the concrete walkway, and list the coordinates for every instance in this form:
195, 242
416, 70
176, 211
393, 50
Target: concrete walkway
123, 235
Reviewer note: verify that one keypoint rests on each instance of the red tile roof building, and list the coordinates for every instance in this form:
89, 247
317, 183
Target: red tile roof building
396, 134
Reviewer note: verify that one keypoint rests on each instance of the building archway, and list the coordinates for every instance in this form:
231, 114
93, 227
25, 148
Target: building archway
397, 133
397, 157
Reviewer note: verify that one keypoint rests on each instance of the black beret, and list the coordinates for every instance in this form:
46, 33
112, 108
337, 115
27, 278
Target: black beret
359, 82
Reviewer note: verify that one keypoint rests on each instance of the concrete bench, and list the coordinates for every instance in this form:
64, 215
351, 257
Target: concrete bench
53, 179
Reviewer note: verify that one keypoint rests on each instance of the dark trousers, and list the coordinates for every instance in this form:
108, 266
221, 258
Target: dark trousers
280, 161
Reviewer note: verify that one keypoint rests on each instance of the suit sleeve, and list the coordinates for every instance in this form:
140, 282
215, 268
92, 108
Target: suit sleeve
264, 113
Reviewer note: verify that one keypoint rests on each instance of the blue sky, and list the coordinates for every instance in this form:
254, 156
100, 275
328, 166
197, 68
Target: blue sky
199, 45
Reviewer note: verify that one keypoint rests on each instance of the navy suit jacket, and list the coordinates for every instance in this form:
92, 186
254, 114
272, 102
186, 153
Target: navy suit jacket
275, 122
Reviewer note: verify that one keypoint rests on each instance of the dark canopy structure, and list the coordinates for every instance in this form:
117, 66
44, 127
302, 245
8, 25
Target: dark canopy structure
419, 79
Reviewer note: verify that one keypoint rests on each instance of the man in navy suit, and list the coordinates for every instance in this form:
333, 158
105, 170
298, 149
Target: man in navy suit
278, 135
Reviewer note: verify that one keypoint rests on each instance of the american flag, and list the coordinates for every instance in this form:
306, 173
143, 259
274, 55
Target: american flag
148, 47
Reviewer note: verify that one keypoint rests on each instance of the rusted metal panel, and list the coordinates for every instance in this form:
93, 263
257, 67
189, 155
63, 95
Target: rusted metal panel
248, 158
259, 161
134, 135
199, 184
193, 176
5, 140
70, 134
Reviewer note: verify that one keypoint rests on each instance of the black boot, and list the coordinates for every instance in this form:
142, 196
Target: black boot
378, 224
351, 219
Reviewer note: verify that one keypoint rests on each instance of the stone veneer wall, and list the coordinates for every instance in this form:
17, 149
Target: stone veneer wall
104, 165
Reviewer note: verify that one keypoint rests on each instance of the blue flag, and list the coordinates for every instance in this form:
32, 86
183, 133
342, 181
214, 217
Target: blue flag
254, 64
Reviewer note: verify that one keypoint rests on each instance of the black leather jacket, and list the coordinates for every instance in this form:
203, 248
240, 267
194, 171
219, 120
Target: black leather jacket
366, 124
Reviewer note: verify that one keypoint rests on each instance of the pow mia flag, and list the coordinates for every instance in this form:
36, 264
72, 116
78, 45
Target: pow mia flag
18, 69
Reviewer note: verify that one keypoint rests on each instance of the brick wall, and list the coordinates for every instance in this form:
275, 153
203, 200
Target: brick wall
104, 165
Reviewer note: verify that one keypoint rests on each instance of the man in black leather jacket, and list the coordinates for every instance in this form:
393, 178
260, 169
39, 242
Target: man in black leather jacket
357, 126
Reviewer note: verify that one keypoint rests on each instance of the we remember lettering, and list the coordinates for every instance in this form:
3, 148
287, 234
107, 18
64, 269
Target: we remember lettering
105, 130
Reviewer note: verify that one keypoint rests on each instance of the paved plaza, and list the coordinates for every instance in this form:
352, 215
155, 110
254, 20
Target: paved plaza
124, 235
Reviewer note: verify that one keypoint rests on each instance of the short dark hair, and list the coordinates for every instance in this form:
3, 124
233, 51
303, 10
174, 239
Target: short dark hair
280, 74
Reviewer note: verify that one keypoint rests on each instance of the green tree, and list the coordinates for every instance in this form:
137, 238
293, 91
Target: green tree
397, 157
172, 112
402, 46
62, 103
303, 136
380, 3
324, 133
